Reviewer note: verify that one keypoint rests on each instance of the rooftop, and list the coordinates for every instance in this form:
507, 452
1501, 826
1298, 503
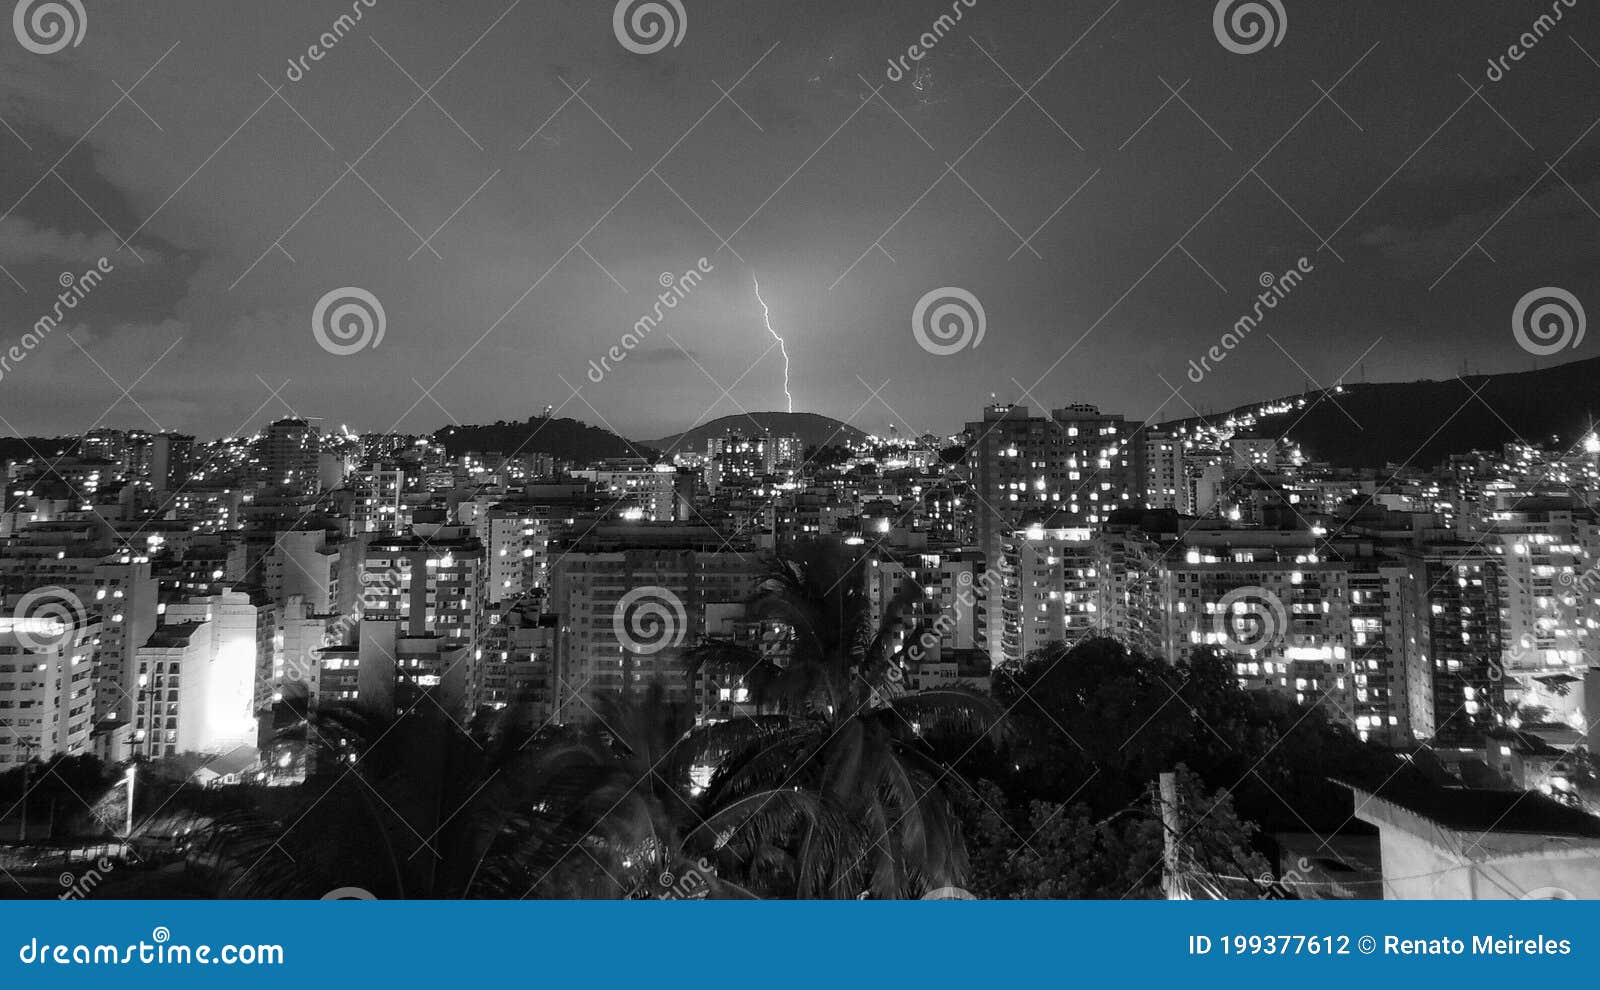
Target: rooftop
1472, 809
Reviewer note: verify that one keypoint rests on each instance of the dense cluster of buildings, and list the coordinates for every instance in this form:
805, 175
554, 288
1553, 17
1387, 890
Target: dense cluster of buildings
164, 595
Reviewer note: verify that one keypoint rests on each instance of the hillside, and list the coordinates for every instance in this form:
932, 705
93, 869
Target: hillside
564, 439
812, 429
25, 448
1406, 422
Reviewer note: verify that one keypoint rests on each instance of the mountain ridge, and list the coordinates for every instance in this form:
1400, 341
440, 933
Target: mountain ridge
1375, 425
813, 429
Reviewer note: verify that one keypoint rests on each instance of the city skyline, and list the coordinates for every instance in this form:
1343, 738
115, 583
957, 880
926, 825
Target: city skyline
201, 605
756, 421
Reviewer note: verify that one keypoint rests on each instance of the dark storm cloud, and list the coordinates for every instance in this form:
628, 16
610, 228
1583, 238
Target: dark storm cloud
666, 355
512, 184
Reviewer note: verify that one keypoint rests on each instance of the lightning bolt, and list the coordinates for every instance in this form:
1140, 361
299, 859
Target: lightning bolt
766, 317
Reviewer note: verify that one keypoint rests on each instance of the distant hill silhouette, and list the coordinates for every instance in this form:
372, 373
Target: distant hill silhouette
812, 429
1422, 423
564, 439
25, 448
1399, 423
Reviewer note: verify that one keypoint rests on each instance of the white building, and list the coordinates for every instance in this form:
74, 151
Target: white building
46, 688
1468, 844
197, 678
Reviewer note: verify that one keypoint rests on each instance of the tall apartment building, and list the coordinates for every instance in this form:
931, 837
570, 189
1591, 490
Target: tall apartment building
518, 671
611, 585
209, 508
301, 563
108, 445
1052, 588
722, 696
378, 489
1077, 465
1382, 704
124, 600
46, 688
1450, 633
1253, 452
659, 492
1163, 469
1285, 608
136, 457
513, 543
1128, 561
1062, 583
736, 455
287, 456
296, 662
1204, 481
116, 590
1551, 635
553, 514
171, 460
420, 598
936, 592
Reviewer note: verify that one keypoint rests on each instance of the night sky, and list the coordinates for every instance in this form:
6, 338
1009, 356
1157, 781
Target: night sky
1112, 231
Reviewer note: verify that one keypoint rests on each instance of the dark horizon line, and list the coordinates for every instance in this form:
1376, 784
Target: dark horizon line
806, 412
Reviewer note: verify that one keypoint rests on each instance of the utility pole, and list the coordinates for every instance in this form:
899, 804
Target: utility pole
22, 828
1171, 876
28, 746
133, 774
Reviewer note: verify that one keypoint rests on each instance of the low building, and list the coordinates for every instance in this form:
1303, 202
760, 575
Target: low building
1462, 843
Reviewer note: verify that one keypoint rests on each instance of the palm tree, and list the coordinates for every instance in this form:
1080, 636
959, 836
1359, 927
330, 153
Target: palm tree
403, 806
414, 807
840, 726
615, 812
